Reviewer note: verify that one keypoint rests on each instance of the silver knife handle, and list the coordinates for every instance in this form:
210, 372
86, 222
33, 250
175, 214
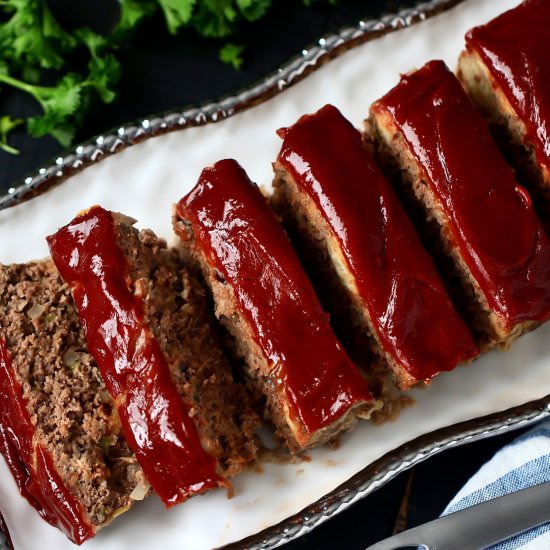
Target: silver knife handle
478, 526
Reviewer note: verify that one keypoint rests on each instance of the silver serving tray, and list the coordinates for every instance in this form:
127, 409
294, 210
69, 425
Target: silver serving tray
405, 456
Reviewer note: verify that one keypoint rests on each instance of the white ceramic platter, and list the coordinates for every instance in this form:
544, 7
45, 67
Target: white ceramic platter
144, 180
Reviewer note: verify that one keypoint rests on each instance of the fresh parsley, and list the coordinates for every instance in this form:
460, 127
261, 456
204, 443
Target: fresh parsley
7, 124
35, 50
232, 54
32, 45
177, 13
30, 36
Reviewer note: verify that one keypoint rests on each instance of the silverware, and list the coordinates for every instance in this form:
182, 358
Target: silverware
479, 526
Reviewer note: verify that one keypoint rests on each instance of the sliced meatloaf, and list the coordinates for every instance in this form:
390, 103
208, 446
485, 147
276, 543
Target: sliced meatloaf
480, 217
148, 324
336, 203
265, 301
59, 431
506, 71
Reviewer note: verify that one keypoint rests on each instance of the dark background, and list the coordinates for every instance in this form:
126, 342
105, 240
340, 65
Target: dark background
161, 72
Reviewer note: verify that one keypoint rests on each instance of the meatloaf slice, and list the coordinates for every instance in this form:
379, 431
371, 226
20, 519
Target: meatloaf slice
148, 325
265, 301
338, 204
481, 218
59, 430
506, 71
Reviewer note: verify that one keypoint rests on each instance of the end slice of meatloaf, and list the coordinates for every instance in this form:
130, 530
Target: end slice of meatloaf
264, 299
148, 326
506, 71
337, 203
481, 218
59, 431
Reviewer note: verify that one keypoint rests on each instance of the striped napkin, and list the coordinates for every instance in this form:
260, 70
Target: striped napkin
520, 464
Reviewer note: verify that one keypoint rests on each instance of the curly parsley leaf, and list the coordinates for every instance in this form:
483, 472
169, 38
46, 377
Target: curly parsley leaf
7, 124
104, 69
177, 13
211, 18
232, 55
65, 104
96, 43
105, 73
215, 18
59, 103
132, 12
32, 36
253, 9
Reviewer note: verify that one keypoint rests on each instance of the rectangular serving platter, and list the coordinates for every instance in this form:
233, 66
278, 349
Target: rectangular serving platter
144, 180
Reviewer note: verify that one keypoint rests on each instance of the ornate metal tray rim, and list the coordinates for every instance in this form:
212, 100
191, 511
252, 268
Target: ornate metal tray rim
328, 47
383, 470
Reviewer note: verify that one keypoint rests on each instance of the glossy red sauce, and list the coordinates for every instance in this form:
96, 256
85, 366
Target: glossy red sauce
514, 47
155, 421
491, 219
410, 310
243, 240
31, 464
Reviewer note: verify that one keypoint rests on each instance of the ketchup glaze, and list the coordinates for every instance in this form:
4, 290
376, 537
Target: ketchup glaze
31, 464
155, 421
241, 238
490, 216
514, 47
414, 319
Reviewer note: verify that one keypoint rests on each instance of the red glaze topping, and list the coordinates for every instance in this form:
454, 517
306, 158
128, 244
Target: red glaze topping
514, 47
155, 421
414, 319
243, 240
31, 464
491, 219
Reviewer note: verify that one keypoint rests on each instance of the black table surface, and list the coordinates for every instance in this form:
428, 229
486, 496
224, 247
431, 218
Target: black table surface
163, 73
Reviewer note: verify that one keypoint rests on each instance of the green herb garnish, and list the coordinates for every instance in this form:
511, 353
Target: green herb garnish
35, 51
232, 54
7, 124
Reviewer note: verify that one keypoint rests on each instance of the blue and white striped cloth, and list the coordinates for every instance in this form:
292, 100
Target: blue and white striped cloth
520, 464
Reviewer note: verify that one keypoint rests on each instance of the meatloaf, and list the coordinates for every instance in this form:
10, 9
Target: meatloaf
59, 431
480, 217
148, 324
336, 202
506, 70
268, 306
